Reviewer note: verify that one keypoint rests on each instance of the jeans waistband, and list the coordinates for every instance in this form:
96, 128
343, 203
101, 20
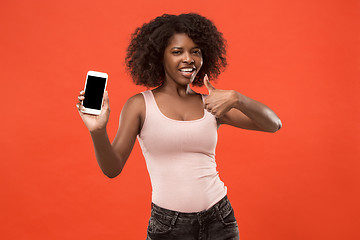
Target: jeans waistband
221, 207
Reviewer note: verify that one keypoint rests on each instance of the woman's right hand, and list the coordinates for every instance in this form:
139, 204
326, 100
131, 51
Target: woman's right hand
94, 123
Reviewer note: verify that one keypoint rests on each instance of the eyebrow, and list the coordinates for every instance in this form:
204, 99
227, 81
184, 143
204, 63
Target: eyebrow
183, 48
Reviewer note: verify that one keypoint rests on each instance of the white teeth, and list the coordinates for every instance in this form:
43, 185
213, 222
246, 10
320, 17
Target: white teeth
186, 69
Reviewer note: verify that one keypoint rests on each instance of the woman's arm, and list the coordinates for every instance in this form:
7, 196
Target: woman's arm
251, 114
233, 108
112, 157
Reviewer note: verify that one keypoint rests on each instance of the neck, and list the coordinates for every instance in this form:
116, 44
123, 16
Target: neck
176, 89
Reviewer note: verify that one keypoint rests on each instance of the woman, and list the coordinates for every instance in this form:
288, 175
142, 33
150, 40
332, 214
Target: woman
177, 136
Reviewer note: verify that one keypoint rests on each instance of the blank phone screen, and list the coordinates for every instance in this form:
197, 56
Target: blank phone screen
94, 91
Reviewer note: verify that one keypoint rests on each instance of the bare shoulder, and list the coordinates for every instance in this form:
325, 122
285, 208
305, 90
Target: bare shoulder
137, 99
134, 109
136, 104
130, 123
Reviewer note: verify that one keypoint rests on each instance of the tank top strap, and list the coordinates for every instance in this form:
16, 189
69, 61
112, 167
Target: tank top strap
149, 101
203, 97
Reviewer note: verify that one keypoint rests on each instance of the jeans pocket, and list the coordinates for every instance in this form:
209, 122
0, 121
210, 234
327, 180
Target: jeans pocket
228, 217
159, 225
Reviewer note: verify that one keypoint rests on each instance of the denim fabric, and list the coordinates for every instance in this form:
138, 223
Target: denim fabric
216, 223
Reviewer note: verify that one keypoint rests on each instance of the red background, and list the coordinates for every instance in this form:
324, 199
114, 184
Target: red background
301, 58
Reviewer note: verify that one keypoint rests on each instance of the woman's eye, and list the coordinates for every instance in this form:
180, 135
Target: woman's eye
176, 52
197, 51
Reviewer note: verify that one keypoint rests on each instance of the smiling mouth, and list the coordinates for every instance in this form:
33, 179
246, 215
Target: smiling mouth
187, 69
187, 72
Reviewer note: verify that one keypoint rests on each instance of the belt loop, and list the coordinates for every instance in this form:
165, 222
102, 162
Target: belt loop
218, 212
174, 218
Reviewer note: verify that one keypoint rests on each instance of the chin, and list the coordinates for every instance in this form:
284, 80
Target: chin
185, 81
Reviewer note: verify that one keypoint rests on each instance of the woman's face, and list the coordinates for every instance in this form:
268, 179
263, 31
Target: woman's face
182, 59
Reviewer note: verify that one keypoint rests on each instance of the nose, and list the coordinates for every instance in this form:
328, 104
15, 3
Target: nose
188, 58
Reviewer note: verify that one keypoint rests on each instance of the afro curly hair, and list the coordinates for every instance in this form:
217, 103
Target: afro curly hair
145, 52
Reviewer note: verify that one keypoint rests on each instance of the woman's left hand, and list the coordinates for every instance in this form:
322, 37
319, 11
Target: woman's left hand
219, 102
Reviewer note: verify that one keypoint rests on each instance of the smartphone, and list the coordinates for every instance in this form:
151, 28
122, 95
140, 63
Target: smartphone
95, 86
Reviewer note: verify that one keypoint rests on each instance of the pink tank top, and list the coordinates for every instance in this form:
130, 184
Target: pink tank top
180, 158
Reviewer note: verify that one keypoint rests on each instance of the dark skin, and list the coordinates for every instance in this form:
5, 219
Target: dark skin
182, 61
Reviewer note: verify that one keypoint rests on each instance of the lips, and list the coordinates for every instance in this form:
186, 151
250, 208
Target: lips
187, 71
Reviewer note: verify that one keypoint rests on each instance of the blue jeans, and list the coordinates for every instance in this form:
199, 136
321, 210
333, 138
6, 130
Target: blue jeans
216, 223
